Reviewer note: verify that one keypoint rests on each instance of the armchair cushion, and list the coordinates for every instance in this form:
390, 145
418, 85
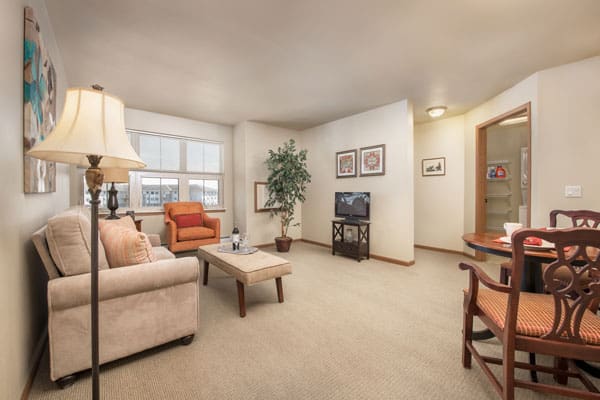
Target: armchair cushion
535, 316
125, 247
194, 233
188, 220
69, 240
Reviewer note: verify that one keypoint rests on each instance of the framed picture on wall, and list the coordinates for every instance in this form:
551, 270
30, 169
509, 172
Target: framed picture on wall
261, 194
372, 160
345, 164
433, 166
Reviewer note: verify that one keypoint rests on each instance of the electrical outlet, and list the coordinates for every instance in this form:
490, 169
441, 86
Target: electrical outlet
573, 191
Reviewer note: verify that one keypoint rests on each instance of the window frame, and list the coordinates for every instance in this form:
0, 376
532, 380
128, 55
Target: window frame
136, 175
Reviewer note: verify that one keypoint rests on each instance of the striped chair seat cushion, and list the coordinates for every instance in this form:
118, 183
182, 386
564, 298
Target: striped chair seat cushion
535, 315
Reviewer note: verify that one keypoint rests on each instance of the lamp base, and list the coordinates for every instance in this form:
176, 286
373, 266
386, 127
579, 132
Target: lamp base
112, 203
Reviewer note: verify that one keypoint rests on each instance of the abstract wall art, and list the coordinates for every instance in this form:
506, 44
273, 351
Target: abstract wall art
346, 164
372, 160
39, 106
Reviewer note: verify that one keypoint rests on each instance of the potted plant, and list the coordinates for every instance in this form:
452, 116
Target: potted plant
288, 177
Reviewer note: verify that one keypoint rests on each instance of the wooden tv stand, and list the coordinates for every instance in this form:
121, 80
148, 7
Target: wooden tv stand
358, 247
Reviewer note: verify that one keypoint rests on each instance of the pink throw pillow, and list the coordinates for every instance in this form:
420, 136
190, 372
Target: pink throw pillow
124, 246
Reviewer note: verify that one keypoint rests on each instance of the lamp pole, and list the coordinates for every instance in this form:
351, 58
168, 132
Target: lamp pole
94, 179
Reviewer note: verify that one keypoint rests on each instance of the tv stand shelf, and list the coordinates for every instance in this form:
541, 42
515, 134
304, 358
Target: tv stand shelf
358, 247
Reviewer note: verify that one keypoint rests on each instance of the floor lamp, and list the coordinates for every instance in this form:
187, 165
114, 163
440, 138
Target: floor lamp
90, 132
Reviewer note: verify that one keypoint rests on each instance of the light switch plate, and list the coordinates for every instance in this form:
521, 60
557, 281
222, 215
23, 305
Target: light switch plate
573, 191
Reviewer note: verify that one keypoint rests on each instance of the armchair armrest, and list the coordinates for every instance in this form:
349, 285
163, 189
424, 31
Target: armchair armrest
213, 223
171, 232
73, 291
481, 276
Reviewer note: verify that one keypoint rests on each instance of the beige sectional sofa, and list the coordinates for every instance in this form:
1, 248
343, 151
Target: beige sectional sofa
141, 306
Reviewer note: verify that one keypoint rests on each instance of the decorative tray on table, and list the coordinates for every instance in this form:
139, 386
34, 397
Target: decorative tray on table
227, 248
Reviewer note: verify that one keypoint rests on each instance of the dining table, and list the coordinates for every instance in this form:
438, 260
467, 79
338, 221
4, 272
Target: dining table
496, 243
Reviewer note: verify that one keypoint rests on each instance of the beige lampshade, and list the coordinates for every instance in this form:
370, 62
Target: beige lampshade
116, 175
92, 123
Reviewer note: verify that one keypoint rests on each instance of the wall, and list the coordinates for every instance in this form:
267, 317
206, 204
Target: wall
161, 123
252, 143
565, 151
564, 104
392, 203
23, 283
438, 215
523, 92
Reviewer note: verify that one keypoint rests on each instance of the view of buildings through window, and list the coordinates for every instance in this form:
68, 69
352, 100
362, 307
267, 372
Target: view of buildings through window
178, 169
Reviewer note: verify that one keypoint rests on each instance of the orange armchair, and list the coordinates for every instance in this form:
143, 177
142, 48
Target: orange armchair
191, 237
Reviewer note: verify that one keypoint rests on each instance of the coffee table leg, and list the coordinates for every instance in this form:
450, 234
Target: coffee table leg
241, 300
205, 277
279, 289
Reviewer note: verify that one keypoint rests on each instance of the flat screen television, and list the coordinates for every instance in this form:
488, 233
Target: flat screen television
352, 205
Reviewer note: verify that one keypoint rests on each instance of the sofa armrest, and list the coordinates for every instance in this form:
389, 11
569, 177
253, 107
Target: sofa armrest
154, 239
73, 291
213, 223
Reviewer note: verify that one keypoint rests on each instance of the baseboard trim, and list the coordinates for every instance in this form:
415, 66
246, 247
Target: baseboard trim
316, 243
260, 246
393, 260
373, 256
442, 250
38, 352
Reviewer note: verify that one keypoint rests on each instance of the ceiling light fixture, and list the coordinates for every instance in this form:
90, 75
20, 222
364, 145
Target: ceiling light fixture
436, 111
514, 120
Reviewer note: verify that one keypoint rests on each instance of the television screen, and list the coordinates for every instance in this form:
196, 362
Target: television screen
352, 204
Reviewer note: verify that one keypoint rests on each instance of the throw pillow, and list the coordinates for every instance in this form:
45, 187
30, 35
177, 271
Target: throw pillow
68, 235
188, 220
125, 246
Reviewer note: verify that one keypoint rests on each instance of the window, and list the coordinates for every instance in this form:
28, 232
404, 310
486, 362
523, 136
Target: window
122, 194
178, 169
157, 191
205, 191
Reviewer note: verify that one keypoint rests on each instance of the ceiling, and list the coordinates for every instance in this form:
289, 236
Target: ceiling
299, 64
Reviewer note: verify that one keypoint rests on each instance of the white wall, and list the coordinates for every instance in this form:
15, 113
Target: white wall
523, 92
392, 203
167, 124
565, 150
564, 104
23, 278
253, 140
439, 200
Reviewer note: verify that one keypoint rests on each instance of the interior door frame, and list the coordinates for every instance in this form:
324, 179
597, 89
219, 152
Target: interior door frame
481, 165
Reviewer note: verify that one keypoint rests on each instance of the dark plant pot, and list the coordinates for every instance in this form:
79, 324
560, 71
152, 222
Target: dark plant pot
283, 244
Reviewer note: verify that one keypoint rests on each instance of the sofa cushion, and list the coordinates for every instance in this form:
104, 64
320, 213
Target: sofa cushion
69, 240
195, 233
125, 222
162, 253
125, 247
187, 220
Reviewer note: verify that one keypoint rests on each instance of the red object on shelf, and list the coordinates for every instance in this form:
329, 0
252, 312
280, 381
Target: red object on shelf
500, 172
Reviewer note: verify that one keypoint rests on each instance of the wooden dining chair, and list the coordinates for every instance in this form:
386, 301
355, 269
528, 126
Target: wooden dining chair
548, 323
578, 218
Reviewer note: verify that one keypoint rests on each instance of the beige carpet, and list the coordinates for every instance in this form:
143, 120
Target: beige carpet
347, 330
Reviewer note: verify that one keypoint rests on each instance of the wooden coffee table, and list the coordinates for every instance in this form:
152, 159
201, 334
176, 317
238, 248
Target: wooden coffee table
247, 269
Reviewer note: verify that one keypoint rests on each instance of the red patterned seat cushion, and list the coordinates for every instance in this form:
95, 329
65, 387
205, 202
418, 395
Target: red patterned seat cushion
535, 315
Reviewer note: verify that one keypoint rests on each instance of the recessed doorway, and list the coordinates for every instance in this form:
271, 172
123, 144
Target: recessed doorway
503, 165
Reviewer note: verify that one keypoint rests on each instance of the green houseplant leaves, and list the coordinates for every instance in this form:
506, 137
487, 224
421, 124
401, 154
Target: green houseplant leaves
288, 177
